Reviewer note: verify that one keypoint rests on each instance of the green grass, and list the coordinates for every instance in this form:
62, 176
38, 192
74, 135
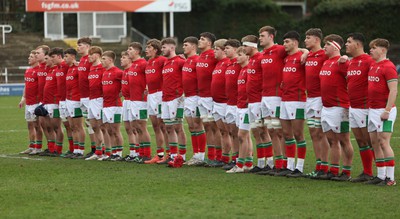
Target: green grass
64, 188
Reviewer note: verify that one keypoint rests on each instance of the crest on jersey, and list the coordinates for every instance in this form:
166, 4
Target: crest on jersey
359, 63
109, 74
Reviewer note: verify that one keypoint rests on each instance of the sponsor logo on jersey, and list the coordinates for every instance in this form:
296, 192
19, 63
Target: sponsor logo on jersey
202, 65
373, 78
353, 72
311, 63
167, 70
289, 69
107, 82
266, 61
324, 72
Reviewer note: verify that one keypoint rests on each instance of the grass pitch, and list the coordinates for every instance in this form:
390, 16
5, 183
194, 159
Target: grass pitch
44, 187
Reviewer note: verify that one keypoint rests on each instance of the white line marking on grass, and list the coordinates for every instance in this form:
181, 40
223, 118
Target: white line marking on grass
24, 158
13, 130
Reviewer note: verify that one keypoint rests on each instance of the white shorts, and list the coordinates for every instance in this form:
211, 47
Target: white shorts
154, 104
112, 114
73, 108
138, 110
219, 111
243, 119
206, 108
358, 118
30, 112
85, 106
335, 119
191, 107
126, 114
376, 124
313, 107
231, 114
172, 110
95, 107
271, 106
63, 110
291, 110
53, 110
255, 115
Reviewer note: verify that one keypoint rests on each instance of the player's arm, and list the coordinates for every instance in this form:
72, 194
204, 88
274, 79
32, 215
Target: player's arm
23, 101
304, 56
392, 85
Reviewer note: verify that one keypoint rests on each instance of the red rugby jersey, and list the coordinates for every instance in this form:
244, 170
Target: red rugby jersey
125, 84
95, 86
313, 66
72, 84
154, 78
357, 80
378, 77
218, 92
231, 82
111, 82
42, 74
293, 79
50, 94
241, 85
333, 83
61, 74
204, 68
272, 64
189, 76
84, 69
31, 86
254, 78
137, 80
172, 78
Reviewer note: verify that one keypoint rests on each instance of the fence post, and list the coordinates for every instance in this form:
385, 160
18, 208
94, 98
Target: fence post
6, 75
5, 28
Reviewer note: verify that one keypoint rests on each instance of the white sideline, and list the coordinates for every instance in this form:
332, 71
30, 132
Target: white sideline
24, 158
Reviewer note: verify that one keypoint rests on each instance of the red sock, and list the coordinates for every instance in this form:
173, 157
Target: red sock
278, 163
38, 145
390, 163
290, 148
58, 148
218, 153
367, 157
182, 149
211, 152
32, 145
284, 163
148, 151
318, 165
260, 151
70, 142
174, 148
195, 143
268, 152
75, 145
334, 169
235, 156
160, 150
51, 145
141, 150
225, 158
301, 149
99, 151
201, 142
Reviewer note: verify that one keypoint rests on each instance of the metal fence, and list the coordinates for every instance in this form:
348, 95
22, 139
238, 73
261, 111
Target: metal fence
12, 74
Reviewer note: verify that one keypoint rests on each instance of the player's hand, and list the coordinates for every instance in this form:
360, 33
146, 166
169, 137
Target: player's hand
343, 59
385, 115
182, 56
146, 92
22, 103
303, 58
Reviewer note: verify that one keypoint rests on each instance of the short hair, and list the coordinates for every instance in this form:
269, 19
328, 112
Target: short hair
191, 39
110, 54
70, 51
357, 37
56, 51
269, 29
168, 40
241, 49
315, 32
45, 48
379, 42
156, 44
250, 38
232, 42
334, 37
124, 53
85, 40
33, 52
294, 35
210, 36
137, 46
220, 43
96, 49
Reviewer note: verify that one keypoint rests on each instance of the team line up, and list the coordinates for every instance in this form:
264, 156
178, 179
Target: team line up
225, 93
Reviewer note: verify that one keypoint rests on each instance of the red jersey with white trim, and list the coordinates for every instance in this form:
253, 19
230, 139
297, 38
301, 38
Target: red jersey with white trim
254, 78
111, 82
42, 74
189, 76
204, 68
218, 81
154, 77
231, 82
313, 66
272, 63
333, 83
125, 84
95, 86
172, 78
61, 74
242, 88
50, 94
84, 69
293, 79
379, 75
72, 83
357, 80
31, 86
137, 80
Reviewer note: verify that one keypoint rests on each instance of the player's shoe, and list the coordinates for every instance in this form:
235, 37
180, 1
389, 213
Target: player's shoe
311, 175
65, 154
93, 157
129, 158
108, 158
35, 151
256, 169
54, 154
342, 177
318, 174
88, 155
273, 171
165, 159
216, 163
27, 151
104, 157
363, 177
190, 161
177, 162
295, 174
77, 156
264, 171
391, 182
282, 172
229, 165
235, 169
153, 160
374, 181
116, 158
45, 153
327, 176
247, 169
